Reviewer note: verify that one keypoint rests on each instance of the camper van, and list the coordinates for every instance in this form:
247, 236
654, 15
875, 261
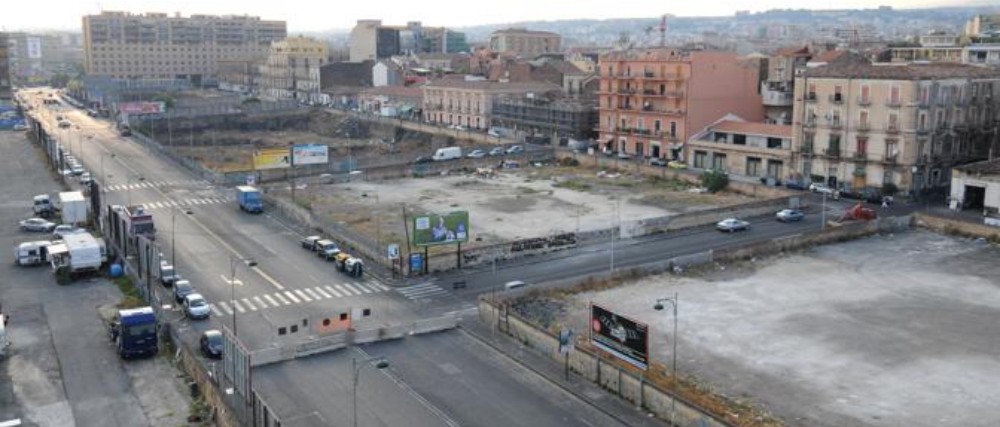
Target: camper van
447, 153
32, 253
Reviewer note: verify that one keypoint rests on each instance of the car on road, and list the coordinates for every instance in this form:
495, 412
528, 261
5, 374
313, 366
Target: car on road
624, 156
789, 215
514, 284
65, 229
182, 288
496, 151
476, 154
658, 161
732, 224
309, 242
38, 224
211, 344
457, 127
423, 159
86, 179
515, 149
195, 306
77, 169
823, 189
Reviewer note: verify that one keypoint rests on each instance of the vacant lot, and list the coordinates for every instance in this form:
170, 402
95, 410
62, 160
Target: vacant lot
517, 203
887, 331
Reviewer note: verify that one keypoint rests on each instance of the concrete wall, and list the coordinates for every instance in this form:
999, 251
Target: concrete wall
956, 226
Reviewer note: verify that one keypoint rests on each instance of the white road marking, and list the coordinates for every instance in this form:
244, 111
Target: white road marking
268, 278
363, 288
249, 304
260, 301
239, 308
215, 310
281, 298
345, 291
271, 300
226, 307
320, 291
292, 297
378, 285
333, 291
225, 279
303, 295
314, 295
11, 423
348, 286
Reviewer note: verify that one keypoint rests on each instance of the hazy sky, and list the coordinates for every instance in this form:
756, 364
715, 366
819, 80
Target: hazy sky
312, 15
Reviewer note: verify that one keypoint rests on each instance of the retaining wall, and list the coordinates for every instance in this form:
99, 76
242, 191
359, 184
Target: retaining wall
956, 226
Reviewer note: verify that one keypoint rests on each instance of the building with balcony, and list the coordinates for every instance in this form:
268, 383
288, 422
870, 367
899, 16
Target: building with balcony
745, 149
292, 69
156, 46
859, 124
776, 90
5, 84
545, 118
469, 103
36, 57
525, 43
651, 101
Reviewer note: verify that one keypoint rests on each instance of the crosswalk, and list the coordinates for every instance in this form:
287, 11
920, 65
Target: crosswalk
185, 203
155, 184
296, 296
421, 291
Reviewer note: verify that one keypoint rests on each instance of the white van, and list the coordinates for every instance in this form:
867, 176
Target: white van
447, 153
31, 253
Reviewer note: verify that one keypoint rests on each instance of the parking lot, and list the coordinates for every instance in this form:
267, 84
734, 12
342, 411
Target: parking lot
885, 331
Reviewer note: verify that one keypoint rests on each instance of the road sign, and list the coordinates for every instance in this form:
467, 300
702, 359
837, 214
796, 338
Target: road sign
416, 263
393, 251
566, 341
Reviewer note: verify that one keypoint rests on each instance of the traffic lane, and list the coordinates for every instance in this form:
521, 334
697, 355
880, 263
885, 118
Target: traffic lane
475, 385
319, 389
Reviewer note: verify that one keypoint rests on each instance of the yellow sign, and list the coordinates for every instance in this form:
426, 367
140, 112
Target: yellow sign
272, 158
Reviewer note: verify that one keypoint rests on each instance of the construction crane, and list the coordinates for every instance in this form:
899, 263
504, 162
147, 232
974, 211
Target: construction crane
662, 28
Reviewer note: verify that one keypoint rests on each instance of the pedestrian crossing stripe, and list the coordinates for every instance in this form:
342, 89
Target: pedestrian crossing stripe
333, 291
187, 202
422, 291
292, 297
295, 296
282, 299
153, 184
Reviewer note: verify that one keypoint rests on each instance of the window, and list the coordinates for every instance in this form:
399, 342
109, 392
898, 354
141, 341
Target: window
657, 126
863, 119
833, 145
673, 129
866, 95
753, 166
739, 139
893, 125
774, 169
774, 143
837, 96
811, 94
862, 145
719, 162
894, 95
699, 159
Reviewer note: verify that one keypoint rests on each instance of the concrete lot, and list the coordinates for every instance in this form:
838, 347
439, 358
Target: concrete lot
517, 203
887, 331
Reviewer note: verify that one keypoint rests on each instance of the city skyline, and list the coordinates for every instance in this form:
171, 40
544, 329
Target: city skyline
67, 14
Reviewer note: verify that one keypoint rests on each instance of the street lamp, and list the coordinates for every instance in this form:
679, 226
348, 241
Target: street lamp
673, 396
378, 363
233, 260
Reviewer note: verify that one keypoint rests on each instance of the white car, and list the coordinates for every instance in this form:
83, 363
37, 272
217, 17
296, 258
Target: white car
515, 149
822, 189
86, 179
37, 224
476, 154
77, 169
732, 224
195, 306
64, 229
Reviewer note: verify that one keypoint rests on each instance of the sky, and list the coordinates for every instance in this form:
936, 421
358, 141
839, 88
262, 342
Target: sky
313, 15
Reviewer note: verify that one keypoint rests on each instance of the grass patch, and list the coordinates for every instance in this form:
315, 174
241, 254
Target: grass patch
130, 294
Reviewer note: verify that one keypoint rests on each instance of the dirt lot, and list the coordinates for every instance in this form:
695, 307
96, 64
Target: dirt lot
887, 331
516, 203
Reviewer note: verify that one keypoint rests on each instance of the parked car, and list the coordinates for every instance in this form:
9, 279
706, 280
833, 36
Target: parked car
515, 149
195, 306
86, 179
182, 288
675, 164
658, 161
497, 151
623, 155
77, 169
732, 224
309, 242
789, 215
211, 344
457, 127
38, 224
64, 229
823, 189
476, 154
20, 126
423, 159
168, 274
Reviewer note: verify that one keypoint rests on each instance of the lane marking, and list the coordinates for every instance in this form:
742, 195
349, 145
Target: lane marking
345, 291
303, 295
225, 279
271, 300
333, 291
215, 310
292, 297
281, 298
268, 278
320, 291
226, 307
11, 423
239, 308
348, 286
249, 304
378, 285
312, 294
363, 288
260, 301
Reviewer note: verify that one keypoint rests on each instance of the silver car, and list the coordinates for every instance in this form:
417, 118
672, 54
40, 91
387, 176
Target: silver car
37, 224
732, 224
476, 154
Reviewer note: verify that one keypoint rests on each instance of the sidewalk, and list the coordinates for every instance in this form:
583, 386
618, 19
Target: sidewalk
553, 372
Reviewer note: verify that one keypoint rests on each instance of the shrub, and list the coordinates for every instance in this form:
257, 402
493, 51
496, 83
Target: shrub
714, 180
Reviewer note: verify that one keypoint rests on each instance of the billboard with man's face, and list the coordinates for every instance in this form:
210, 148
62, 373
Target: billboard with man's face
430, 230
623, 337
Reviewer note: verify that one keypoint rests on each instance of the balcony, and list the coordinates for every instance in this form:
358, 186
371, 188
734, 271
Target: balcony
776, 98
809, 123
861, 156
863, 127
892, 128
811, 97
893, 103
628, 91
833, 153
836, 98
864, 102
835, 124
890, 159
806, 149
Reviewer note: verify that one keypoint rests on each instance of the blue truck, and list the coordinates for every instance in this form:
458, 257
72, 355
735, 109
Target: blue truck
249, 199
133, 331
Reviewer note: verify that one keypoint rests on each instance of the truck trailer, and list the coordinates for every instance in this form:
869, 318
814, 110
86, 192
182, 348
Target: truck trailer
249, 199
75, 208
78, 253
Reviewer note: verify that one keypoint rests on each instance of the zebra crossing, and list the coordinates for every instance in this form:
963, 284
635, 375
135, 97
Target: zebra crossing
185, 203
423, 290
154, 184
296, 296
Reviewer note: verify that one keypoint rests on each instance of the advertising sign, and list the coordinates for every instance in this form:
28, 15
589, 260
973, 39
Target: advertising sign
138, 108
566, 343
310, 154
393, 251
416, 263
625, 338
271, 158
430, 230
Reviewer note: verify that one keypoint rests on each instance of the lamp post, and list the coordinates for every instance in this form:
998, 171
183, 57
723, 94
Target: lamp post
378, 363
233, 260
673, 396
615, 230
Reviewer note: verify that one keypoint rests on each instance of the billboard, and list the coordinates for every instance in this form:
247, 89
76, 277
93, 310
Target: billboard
271, 158
625, 338
310, 154
136, 108
430, 230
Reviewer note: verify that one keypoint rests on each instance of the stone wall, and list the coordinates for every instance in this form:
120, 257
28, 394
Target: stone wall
956, 226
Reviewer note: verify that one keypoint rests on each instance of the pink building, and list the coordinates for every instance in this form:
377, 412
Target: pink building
652, 100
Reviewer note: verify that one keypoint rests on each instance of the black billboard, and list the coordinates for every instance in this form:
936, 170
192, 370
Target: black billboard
623, 337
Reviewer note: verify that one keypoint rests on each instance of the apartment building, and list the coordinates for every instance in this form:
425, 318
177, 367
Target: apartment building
155, 45
859, 124
983, 25
545, 118
34, 58
470, 103
5, 83
371, 41
651, 101
525, 43
746, 149
777, 89
292, 69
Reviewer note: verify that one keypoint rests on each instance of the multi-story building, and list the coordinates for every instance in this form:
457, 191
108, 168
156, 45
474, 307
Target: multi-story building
5, 83
155, 45
651, 101
470, 103
371, 41
776, 90
528, 44
983, 25
750, 150
859, 124
545, 117
441, 40
34, 58
292, 69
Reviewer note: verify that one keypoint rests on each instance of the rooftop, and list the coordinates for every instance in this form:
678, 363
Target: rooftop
750, 128
991, 167
524, 31
855, 66
493, 86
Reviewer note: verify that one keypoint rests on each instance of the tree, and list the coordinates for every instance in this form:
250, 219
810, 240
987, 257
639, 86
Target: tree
889, 189
715, 180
